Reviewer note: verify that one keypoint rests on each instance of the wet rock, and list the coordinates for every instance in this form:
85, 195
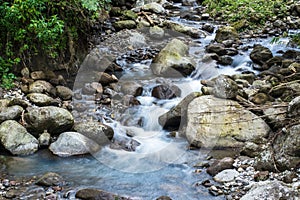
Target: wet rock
166, 92
220, 165
154, 7
224, 87
11, 112
226, 33
156, 32
294, 107
225, 60
176, 117
40, 86
291, 54
260, 55
50, 179
131, 88
226, 175
73, 143
171, 60
219, 123
16, 139
125, 144
208, 27
163, 198
106, 79
271, 190
125, 24
53, 119
129, 100
40, 99
44, 139
95, 194
193, 32
64, 93
96, 131
216, 48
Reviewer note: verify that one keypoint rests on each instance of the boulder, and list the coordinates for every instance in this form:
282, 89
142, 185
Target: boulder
16, 139
131, 88
226, 175
156, 32
216, 48
220, 165
271, 190
64, 93
124, 24
40, 99
166, 92
219, 123
40, 86
11, 112
154, 7
90, 193
224, 87
53, 119
96, 131
177, 116
73, 143
226, 33
180, 28
294, 107
260, 55
44, 139
50, 179
171, 60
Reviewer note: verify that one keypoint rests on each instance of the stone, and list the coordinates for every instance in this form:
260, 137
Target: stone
106, 79
166, 92
164, 198
38, 75
53, 119
176, 117
208, 27
96, 131
50, 179
271, 190
64, 93
260, 55
260, 98
156, 32
261, 176
15, 138
276, 116
73, 143
224, 87
44, 139
251, 149
219, 123
220, 165
225, 60
40, 99
124, 24
226, 33
216, 48
226, 175
40, 86
125, 144
95, 194
294, 107
131, 88
10, 113
180, 28
154, 7
172, 62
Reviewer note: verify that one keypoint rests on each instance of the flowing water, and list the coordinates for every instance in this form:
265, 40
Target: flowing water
160, 165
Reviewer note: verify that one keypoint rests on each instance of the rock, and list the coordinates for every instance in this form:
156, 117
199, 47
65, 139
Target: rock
220, 165
276, 116
226, 33
124, 24
11, 112
106, 79
53, 119
224, 87
271, 190
131, 88
96, 131
216, 48
73, 143
44, 139
291, 54
125, 144
226, 175
176, 117
4, 103
166, 92
95, 194
260, 98
225, 60
260, 55
261, 176
219, 123
40, 86
208, 27
156, 32
16, 139
171, 60
50, 179
129, 100
163, 198
40, 99
189, 2
154, 7
180, 28
265, 160
294, 107
251, 149
64, 93
38, 75
286, 91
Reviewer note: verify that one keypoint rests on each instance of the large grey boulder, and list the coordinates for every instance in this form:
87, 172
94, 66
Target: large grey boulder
12, 112
73, 143
219, 123
53, 119
172, 61
40, 86
15, 138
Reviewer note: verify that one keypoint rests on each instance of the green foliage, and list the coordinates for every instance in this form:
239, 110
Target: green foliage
44, 27
256, 12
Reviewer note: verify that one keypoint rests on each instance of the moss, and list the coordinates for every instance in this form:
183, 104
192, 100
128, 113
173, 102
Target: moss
129, 14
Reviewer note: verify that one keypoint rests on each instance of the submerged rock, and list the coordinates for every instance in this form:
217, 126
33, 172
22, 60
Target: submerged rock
15, 138
172, 61
219, 123
50, 179
96, 194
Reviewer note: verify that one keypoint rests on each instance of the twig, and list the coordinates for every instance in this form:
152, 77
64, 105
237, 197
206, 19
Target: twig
148, 18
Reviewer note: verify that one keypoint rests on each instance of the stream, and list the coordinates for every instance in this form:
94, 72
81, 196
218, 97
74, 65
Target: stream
160, 164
